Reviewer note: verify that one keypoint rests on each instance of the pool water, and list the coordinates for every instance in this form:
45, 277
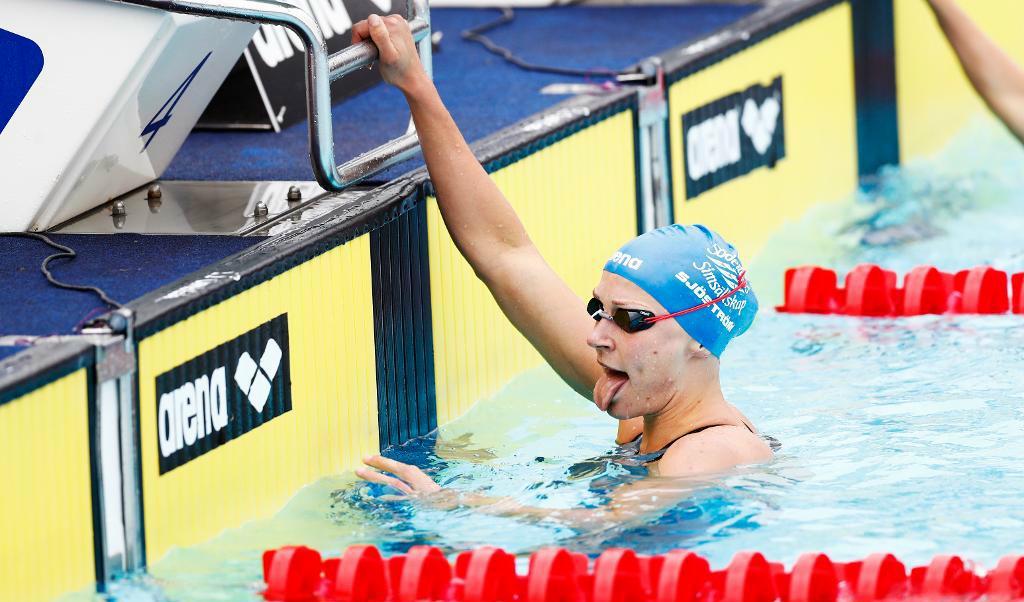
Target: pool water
896, 435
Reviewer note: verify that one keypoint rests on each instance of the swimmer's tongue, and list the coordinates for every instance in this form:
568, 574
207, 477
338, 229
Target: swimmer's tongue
607, 386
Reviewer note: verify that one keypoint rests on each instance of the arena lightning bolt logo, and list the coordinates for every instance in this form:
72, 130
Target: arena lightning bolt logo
166, 112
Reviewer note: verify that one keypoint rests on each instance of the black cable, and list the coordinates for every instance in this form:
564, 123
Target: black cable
507, 16
65, 253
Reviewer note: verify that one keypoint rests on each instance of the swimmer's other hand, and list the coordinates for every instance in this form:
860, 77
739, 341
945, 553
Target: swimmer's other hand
407, 479
399, 64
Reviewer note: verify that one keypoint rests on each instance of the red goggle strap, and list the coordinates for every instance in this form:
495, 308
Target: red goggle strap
739, 286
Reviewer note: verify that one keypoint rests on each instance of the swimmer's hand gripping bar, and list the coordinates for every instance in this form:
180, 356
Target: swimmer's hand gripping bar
321, 69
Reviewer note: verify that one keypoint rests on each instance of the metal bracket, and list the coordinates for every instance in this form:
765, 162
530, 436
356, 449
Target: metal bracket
115, 354
321, 69
119, 492
652, 144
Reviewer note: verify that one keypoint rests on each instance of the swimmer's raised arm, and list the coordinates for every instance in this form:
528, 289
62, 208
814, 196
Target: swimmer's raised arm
480, 220
998, 79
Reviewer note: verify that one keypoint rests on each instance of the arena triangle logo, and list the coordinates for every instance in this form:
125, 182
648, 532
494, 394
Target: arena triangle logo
255, 380
759, 122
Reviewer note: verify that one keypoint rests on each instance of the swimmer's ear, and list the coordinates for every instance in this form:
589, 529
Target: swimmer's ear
699, 350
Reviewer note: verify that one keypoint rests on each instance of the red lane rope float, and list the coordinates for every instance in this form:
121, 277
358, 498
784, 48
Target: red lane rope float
926, 291
552, 577
617, 577
1006, 582
291, 573
360, 575
488, 574
748, 579
813, 579
869, 290
425, 576
1017, 284
811, 290
683, 577
881, 576
948, 576
984, 291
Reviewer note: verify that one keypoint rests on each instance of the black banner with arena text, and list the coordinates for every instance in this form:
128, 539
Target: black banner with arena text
732, 136
222, 394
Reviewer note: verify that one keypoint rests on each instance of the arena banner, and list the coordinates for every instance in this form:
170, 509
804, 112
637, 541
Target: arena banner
266, 89
255, 396
732, 136
765, 128
201, 405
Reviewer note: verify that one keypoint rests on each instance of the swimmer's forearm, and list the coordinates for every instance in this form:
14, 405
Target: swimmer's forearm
476, 213
985, 63
579, 518
997, 78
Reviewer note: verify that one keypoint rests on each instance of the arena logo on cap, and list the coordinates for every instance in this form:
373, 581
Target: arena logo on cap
223, 394
732, 136
627, 260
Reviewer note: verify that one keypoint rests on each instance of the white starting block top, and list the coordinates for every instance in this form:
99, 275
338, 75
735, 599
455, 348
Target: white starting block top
119, 89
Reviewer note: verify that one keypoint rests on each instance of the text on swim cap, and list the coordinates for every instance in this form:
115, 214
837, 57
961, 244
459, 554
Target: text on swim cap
718, 251
704, 297
629, 261
718, 288
729, 267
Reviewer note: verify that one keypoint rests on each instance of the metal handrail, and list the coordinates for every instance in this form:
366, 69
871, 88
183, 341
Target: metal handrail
321, 69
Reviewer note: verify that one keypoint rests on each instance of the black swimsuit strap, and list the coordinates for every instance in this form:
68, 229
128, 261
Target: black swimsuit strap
656, 455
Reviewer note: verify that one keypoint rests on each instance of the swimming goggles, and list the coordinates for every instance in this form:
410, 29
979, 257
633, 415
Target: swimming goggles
635, 320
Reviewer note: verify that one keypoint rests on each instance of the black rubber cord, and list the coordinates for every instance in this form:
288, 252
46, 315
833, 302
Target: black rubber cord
476, 34
65, 253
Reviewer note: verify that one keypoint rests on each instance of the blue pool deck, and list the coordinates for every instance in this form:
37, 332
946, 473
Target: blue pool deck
483, 92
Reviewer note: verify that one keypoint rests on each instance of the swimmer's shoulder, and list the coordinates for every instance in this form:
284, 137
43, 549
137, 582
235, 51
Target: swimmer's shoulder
713, 450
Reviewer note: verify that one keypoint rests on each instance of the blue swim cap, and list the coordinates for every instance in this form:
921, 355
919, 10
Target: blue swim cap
685, 266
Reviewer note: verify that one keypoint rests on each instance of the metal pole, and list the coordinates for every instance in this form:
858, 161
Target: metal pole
321, 68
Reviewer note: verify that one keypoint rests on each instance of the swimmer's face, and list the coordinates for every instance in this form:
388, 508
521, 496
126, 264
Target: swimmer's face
644, 370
